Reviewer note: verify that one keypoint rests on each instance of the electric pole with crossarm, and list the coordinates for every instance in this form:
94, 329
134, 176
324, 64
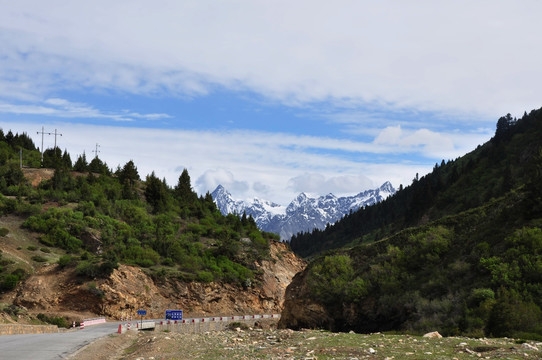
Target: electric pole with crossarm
55, 133
43, 133
96, 151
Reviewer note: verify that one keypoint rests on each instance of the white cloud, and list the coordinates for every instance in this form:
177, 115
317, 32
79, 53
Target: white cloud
248, 164
66, 109
210, 179
447, 56
391, 135
316, 183
429, 143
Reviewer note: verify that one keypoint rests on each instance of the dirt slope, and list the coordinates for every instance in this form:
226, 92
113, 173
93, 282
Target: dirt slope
61, 293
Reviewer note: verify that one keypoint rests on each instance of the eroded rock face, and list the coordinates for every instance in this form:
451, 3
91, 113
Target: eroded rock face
300, 311
129, 289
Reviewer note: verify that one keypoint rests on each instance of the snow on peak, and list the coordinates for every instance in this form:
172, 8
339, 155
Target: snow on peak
304, 213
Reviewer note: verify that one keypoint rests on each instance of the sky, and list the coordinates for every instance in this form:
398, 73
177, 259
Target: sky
269, 98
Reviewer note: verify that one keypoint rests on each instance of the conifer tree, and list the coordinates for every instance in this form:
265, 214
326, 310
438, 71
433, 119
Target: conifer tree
81, 164
183, 190
129, 173
156, 193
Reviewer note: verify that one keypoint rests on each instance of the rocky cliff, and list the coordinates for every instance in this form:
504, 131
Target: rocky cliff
300, 311
129, 288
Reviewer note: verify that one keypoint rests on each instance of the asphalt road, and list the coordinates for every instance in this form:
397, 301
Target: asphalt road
52, 346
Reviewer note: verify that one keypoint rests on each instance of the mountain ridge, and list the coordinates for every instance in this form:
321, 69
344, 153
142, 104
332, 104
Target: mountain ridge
458, 250
303, 213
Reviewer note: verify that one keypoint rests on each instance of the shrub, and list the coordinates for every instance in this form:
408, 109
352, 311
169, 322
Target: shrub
94, 290
65, 260
58, 321
333, 280
38, 258
3, 231
92, 270
87, 269
32, 248
20, 273
9, 282
204, 276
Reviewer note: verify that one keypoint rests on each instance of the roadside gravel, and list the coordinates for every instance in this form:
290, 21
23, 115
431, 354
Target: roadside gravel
308, 344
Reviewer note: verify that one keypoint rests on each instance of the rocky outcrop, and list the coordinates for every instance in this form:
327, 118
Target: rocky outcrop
300, 311
129, 289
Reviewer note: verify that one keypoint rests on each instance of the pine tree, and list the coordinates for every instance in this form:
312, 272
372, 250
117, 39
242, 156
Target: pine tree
156, 193
183, 190
129, 174
81, 164
66, 160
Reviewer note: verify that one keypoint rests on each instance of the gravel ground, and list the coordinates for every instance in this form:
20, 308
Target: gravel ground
309, 344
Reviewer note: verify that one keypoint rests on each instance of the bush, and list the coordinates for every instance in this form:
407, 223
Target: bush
32, 248
9, 282
87, 269
38, 258
65, 260
333, 280
92, 270
94, 290
106, 268
20, 273
204, 276
3, 231
511, 314
58, 321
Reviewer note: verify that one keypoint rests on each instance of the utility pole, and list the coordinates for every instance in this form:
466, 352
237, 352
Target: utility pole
55, 137
96, 151
42, 133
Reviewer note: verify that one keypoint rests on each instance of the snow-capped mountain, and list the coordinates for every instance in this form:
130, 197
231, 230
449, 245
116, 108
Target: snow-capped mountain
303, 213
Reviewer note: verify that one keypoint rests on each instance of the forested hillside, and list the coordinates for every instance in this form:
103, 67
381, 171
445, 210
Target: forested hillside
505, 162
465, 256
101, 217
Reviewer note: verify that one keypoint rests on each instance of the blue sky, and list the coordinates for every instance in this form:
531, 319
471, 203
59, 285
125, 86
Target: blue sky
269, 98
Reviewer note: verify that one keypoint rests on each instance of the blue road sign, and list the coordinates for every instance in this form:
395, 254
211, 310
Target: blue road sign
174, 314
142, 312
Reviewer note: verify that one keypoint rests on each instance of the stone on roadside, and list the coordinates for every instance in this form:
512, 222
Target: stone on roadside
529, 347
434, 334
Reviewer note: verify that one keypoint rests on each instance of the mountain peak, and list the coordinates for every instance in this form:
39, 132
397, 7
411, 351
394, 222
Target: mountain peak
387, 187
303, 213
220, 189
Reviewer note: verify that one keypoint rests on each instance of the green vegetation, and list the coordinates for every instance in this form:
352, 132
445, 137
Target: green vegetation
3, 231
459, 251
58, 321
9, 279
101, 218
510, 160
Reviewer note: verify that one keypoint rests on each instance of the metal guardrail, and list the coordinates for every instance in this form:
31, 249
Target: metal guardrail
196, 325
92, 321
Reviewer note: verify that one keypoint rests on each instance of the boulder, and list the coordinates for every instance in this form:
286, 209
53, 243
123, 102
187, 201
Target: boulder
434, 334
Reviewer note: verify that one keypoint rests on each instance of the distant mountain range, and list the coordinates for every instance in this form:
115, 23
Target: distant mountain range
303, 213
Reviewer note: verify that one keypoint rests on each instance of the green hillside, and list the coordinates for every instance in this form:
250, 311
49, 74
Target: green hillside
98, 217
458, 251
504, 163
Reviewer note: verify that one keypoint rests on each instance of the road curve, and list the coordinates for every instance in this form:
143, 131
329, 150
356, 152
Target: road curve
52, 346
